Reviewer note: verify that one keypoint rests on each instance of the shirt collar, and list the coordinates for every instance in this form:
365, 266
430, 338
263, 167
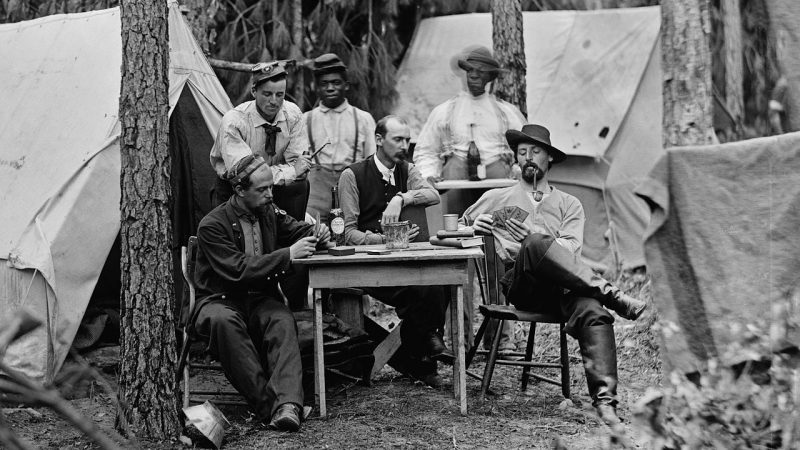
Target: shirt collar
381, 168
259, 120
241, 210
339, 109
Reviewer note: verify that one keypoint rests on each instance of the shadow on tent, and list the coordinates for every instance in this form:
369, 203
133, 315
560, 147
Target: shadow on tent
192, 179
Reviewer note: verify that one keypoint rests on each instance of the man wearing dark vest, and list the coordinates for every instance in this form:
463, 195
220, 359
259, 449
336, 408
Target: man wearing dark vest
343, 133
374, 192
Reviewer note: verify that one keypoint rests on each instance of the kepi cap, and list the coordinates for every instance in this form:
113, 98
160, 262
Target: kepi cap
535, 134
267, 70
327, 63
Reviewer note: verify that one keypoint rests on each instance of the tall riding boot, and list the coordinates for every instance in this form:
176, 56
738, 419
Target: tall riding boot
563, 268
599, 352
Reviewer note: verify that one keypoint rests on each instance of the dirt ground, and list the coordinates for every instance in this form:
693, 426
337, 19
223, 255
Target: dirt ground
396, 412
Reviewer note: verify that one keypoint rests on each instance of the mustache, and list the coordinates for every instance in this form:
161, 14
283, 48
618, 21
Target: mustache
531, 165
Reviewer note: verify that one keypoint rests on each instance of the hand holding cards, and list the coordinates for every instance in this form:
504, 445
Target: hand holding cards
500, 216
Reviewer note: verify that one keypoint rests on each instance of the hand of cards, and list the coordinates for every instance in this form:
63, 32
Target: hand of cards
499, 216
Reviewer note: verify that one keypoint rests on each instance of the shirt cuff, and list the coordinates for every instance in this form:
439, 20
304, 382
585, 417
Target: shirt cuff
374, 238
284, 175
408, 199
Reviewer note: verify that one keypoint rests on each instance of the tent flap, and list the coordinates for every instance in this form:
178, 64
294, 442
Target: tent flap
60, 163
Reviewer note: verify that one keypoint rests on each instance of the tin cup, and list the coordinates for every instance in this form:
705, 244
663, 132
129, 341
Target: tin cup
396, 234
450, 222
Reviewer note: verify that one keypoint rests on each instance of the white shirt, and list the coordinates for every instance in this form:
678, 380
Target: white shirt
336, 126
388, 174
460, 120
241, 133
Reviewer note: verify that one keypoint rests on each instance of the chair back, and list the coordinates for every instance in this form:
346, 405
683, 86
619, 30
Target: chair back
493, 272
188, 261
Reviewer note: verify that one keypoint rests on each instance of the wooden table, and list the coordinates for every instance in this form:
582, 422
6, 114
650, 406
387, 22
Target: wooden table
420, 265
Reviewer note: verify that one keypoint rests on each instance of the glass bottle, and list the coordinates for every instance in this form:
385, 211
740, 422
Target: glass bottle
336, 218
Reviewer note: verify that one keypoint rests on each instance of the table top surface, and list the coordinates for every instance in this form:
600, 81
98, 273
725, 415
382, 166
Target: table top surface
482, 184
416, 251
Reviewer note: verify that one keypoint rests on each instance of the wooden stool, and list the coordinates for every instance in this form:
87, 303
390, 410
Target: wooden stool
501, 313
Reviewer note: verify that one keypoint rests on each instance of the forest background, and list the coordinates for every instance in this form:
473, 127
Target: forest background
372, 36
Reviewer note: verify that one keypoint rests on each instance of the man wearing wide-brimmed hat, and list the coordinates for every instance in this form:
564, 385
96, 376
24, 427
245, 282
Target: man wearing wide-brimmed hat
541, 246
270, 127
471, 123
344, 133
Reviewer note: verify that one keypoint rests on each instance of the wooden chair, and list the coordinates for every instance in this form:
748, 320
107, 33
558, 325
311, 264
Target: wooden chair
496, 310
185, 364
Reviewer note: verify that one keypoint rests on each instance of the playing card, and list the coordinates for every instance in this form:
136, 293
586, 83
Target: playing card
499, 218
519, 214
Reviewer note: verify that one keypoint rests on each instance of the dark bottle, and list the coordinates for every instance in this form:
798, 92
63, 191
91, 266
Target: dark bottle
473, 162
336, 217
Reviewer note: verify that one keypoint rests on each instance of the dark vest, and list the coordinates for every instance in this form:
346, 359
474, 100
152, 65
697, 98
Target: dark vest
374, 192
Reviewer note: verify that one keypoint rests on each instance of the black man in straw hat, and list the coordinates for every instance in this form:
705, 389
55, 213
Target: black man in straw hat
269, 127
470, 125
471, 121
344, 133
541, 247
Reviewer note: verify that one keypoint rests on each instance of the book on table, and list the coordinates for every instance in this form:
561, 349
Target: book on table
457, 242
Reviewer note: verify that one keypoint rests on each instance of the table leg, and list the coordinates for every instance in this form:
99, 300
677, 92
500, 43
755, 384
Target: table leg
319, 357
457, 336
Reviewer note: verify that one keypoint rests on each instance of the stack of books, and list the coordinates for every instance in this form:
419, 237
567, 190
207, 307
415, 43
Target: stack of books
457, 239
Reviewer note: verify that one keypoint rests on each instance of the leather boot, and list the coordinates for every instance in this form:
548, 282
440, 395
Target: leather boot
599, 353
563, 268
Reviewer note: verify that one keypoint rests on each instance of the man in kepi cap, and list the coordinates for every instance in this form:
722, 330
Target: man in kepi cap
345, 133
270, 127
471, 125
245, 247
541, 245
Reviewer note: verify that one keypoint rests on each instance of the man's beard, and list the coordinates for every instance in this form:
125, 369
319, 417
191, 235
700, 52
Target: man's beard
531, 172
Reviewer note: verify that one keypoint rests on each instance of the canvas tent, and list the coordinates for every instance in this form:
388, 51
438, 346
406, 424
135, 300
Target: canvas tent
60, 164
593, 78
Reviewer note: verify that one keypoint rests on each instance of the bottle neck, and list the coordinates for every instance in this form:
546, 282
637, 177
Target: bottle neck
334, 198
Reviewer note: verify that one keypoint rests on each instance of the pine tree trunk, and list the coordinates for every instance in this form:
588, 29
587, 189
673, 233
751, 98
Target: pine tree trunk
686, 71
784, 29
147, 340
509, 49
734, 78
297, 51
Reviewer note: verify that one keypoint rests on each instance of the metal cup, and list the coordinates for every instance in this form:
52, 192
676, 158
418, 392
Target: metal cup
209, 421
450, 222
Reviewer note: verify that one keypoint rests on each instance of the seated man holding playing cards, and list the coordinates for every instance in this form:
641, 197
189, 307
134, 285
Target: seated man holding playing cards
538, 230
245, 247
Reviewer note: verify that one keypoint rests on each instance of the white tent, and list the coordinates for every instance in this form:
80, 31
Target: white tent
60, 163
594, 79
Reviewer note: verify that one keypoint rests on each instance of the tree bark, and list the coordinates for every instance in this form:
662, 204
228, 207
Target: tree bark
686, 71
147, 340
297, 51
509, 49
734, 68
784, 29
